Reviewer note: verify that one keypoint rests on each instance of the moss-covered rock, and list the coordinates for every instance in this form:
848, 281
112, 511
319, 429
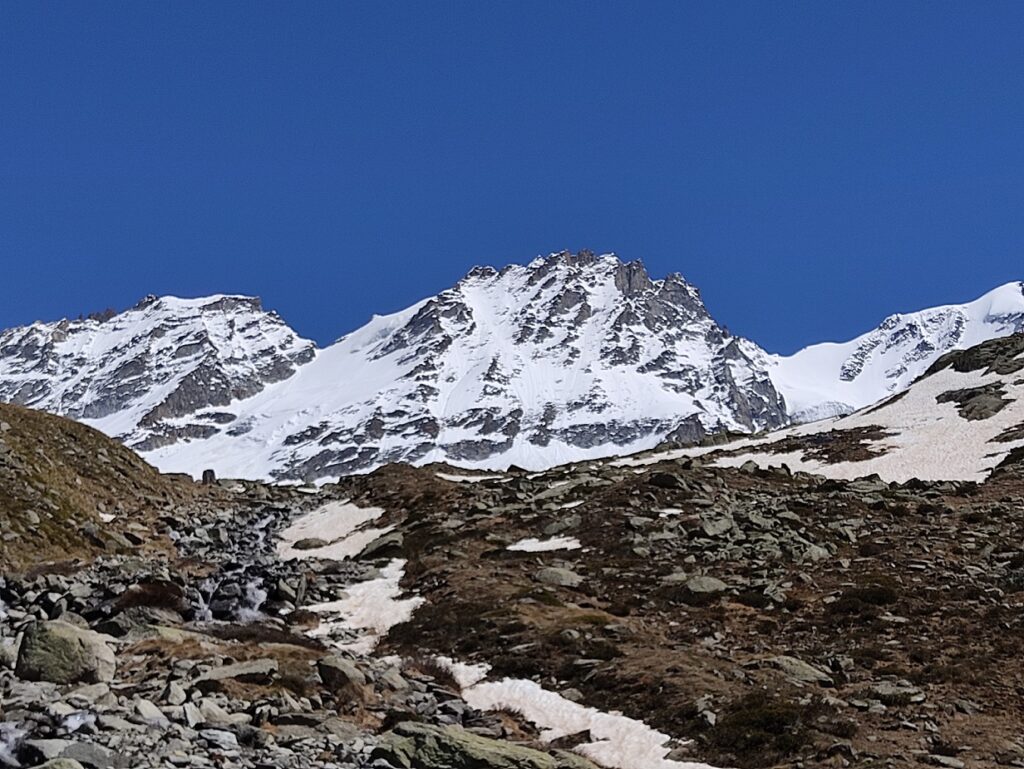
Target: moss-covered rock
423, 746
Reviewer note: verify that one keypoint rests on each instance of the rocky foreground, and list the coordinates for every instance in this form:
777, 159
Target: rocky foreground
201, 658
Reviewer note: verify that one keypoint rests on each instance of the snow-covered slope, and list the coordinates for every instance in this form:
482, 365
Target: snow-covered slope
958, 421
831, 379
569, 357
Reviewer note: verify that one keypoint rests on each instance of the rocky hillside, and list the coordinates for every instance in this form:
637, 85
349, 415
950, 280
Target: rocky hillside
66, 489
237, 646
759, 617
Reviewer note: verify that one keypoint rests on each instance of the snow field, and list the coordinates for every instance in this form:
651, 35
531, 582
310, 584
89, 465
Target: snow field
619, 742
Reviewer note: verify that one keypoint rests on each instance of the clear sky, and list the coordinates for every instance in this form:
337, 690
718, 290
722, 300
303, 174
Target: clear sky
810, 166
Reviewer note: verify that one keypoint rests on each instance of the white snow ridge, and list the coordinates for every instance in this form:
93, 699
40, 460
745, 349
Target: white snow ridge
830, 379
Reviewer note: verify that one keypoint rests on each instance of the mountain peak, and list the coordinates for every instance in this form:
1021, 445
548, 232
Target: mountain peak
573, 355
164, 358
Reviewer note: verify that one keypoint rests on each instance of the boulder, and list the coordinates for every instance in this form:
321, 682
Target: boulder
800, 671
553, 575
385, 546
703, 584
259, 671
339, 673
310, 543
665, 481
424, 746
64, 654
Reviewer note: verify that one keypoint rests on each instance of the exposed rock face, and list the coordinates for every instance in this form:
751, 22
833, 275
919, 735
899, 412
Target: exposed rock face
571, 356
64, 654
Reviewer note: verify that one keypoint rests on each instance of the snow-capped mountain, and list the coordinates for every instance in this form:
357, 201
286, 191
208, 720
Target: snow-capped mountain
573, 356
831, 379
144, 375
568, 357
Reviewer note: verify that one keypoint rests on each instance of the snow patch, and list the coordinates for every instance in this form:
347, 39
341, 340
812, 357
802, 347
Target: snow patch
532, 545
618, 742
369, 608
929, 440
339, 524
469, 478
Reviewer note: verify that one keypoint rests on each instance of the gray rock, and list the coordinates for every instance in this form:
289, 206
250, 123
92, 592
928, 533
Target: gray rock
392, 679
425, 746
8, 653
340, 673
64, 654
897, 692
95, 756
665, 481
385, 545
559, 577
568, 523
800, 671
718, 525
218, 738
174, 694
310, 543
704, 584
192, 715
48, 749
259, 671
92, 694
149, 713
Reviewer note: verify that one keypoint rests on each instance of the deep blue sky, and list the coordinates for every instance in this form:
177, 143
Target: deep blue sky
810, 166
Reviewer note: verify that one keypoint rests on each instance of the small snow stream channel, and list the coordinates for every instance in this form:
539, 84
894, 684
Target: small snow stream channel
367, 610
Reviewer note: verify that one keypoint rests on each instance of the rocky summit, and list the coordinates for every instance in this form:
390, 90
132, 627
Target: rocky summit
751, 604
571, 357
